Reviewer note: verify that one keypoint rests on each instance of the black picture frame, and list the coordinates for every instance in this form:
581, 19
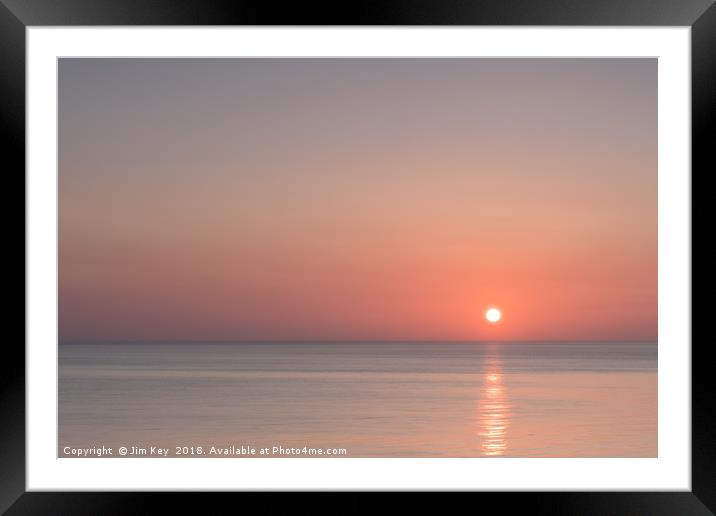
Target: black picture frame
17, 15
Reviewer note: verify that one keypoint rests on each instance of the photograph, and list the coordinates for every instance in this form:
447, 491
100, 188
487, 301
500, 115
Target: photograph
357, 257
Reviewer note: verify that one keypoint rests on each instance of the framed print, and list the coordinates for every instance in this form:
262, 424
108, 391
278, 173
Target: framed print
443, 249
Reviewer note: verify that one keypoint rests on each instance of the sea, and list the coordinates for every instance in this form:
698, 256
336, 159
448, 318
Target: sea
357, 399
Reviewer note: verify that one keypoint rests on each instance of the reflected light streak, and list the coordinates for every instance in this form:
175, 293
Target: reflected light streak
493, 412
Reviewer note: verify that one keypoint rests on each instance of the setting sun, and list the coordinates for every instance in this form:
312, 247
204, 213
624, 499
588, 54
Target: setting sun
493, 315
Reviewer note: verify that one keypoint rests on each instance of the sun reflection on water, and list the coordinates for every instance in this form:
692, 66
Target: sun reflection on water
493, 412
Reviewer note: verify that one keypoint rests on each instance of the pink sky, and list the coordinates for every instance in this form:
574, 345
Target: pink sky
362, 199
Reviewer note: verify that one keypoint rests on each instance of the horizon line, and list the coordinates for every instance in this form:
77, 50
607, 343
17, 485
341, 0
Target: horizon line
348, 341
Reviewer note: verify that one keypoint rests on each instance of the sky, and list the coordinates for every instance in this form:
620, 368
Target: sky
357, 199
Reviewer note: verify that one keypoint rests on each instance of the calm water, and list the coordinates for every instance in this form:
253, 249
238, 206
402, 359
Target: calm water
373, 400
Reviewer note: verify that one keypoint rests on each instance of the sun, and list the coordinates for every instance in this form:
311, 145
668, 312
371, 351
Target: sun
493, 315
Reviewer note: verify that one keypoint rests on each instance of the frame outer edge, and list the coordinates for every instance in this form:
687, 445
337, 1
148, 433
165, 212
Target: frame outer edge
12, 131
12, 365
703, 127
386, 12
